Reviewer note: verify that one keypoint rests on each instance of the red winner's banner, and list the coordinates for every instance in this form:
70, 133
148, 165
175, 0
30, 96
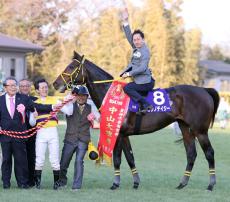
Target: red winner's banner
113, 111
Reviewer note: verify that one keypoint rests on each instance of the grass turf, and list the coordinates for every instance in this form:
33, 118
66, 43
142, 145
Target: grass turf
160, 163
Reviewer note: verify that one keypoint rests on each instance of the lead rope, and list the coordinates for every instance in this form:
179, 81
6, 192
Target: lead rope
16, 134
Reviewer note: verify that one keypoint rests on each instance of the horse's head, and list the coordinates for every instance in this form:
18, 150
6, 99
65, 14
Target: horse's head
73, 73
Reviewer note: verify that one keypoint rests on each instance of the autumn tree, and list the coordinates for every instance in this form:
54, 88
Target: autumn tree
40, 22
190, 74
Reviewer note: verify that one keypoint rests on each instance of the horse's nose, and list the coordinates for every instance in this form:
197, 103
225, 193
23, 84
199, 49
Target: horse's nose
55, 85
60, 88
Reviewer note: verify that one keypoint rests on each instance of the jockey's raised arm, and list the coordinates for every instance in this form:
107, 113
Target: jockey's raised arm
138, 67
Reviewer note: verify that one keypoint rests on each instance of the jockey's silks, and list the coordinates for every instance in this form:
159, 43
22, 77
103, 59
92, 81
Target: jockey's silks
42, 115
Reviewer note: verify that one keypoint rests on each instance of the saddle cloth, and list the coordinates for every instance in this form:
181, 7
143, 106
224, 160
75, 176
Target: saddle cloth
158, 98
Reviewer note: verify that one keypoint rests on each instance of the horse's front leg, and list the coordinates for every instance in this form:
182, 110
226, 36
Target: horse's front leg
123, 143
209, 154
127, 149
190, 148
117, 151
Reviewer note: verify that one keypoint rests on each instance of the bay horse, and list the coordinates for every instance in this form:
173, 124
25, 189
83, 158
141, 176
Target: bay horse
193, 107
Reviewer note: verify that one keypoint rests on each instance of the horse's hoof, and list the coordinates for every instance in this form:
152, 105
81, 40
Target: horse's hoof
114, 186
210, 187
181, 186
135, 185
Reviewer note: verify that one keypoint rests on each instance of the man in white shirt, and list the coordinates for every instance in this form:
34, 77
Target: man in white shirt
13, 107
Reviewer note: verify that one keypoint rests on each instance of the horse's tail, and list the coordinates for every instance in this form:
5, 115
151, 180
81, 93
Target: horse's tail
216, 99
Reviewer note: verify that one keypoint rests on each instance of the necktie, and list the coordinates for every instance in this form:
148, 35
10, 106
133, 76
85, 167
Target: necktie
12, 107
81, 108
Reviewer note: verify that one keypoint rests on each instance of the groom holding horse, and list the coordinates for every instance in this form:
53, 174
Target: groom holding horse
138, 66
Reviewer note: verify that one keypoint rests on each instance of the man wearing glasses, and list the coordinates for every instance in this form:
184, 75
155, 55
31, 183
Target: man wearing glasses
13, 107
25, 88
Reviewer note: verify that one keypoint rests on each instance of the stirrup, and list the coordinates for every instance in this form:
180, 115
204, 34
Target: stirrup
145, 110
148, 108
140, 113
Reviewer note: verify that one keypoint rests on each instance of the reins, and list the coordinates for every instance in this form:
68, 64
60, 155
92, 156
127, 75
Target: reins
77, 71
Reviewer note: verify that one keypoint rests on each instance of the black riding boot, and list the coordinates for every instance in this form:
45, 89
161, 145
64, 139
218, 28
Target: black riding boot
63, 178
38, 174
56, 178
144, 106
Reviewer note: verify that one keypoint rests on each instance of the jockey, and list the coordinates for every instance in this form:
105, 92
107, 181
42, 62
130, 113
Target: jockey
47, 135
138, 67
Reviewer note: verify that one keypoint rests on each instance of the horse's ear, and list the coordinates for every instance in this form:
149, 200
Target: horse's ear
77, 56
74, 54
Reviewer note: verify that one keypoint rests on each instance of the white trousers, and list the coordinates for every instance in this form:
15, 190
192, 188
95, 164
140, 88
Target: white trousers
47, 137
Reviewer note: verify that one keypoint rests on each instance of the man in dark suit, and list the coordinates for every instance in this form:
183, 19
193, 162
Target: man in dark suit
13, 107
25, 88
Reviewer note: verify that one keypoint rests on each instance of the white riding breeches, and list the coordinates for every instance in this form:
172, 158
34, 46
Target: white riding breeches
47, 137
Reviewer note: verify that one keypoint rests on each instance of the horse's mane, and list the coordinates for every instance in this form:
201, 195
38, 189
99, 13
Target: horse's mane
91, 66
99, 70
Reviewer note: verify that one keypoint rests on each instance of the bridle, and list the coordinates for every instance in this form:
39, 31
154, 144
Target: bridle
79, 69
72, 76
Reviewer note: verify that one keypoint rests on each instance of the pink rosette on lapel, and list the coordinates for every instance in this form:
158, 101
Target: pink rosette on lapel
21, 109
